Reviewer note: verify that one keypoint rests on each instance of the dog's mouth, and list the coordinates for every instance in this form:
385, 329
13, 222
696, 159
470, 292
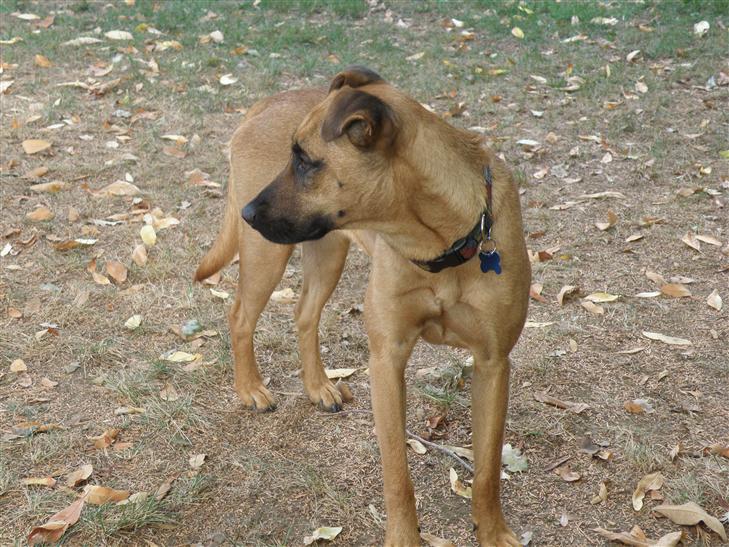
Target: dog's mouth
287, 232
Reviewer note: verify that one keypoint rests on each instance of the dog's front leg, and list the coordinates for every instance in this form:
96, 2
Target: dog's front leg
490, 395
387, 366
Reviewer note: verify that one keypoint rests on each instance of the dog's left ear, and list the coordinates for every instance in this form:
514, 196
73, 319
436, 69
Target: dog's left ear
367, 120
354, 76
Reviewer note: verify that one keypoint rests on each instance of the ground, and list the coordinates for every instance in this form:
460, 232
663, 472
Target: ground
625, 100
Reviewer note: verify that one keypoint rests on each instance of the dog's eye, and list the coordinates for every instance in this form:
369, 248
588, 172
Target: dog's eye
302, 162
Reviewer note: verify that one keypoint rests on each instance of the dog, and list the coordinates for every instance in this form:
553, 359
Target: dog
439, 215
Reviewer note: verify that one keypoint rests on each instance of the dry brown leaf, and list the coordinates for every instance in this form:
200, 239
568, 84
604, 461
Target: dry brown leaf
139, 255
40, 214
106, 439
165, 487
100, 279
633, 407
18, 366
657, 278
708, 239
39, 481
714, 300
54, 528
637, 538
196, 460
671, 340
652, 481
567, 292
417, 446
689, 514
612, 219
49, 187
566, 473
168, 393
33, 146
601, 497
119, 188
37, 172
535, 292
592, 307
117, 271
690, 240
458, 487
175, 152
99, 495
79, 475
42, 61
675, 290
284, 296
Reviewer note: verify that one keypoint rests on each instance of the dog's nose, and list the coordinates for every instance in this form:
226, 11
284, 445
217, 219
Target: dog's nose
249, 213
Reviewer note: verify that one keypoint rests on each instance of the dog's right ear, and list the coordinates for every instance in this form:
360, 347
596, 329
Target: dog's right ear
367, 120
354, 76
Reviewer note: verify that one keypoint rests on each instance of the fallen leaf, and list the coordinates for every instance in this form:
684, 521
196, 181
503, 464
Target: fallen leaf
667, 339
592, 307
612, 219
125, 410
601, 297
714, 300
632, 55
227, 79
119, 188
602, 495
133, 322
634, 237
18, 366
284, 296
40, 214
49, 187
39, 481
535, 292
106, 439
709, 239
164, 488
417, 446
675, 290
56, 526
48, 383
513, 459
333, 373
517, 32
82, 41
119, 35
327, 533
117, 271
99, 495
100, 279
690, 240
648, 294
42, 61
5, 85
79, 475
435, 541
638, 406
223, 295
689, 514
197, 460
33, 146
148, 235
637, 538
168, 393
139, 255
566, 473
458, 487
179, 357
652, 481
566, 292
701, 28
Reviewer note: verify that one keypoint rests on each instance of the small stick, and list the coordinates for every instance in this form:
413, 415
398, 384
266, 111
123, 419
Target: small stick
412, 435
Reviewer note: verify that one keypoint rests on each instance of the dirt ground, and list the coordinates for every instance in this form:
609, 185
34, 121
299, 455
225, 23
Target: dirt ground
623, 163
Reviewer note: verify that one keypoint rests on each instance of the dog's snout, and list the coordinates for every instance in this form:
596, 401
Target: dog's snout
249, 213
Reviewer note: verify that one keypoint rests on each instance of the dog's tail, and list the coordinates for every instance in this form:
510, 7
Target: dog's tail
225, 246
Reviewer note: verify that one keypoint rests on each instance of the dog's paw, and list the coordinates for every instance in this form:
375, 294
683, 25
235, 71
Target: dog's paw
257, 398
497, 536
326, 396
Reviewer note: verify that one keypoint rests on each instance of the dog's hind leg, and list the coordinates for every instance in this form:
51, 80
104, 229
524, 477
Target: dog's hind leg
262, 264
323, 261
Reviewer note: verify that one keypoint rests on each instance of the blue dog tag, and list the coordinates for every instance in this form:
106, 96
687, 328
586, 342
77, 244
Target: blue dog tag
490, 261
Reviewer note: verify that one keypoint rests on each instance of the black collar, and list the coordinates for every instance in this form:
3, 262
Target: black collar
467, 247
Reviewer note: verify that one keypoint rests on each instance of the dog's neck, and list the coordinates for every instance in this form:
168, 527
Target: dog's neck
443, 170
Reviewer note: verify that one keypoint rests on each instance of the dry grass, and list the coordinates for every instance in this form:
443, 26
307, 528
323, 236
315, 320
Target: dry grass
271, 479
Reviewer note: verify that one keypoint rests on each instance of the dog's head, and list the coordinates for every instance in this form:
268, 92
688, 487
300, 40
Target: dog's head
340, 171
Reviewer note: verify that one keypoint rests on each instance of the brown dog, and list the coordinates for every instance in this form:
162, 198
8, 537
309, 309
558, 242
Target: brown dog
366, 157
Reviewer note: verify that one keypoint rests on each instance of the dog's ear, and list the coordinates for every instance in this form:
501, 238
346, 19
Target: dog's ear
354, 76
366, 119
